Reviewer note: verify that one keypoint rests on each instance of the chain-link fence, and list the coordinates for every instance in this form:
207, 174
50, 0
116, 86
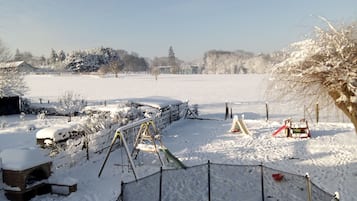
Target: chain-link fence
223, 182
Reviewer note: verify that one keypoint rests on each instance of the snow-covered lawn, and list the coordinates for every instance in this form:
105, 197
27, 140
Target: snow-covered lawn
330, 156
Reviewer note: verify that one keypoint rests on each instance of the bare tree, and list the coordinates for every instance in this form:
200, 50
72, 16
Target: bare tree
11, 80
155, 71
323, 68
71, 103
112, 67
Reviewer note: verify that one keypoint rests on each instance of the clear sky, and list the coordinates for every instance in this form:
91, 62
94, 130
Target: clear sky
149, 27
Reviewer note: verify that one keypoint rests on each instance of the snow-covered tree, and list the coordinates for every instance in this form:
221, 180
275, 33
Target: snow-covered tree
53, 56
11, 83
172, 61
61, 56
17, 56
4, 52
239, 61
91, 60
323, 68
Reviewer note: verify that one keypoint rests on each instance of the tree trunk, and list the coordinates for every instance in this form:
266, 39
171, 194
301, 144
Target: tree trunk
344, 106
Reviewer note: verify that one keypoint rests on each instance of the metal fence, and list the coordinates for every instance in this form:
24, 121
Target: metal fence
223, 182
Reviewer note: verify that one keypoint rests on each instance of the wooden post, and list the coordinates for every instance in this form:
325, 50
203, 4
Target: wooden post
86, 144
209, 179
317, 112
107, 156
262, 179
231, 110
308, 187
267, 111
160, 187
226, 116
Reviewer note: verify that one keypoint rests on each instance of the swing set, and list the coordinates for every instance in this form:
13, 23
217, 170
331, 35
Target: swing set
147, 139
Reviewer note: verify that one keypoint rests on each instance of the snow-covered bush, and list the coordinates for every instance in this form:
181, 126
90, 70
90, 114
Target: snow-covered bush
70, 103
3, 123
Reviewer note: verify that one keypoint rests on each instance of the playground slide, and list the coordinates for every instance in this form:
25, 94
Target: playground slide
279, 130
170, 156
243, 127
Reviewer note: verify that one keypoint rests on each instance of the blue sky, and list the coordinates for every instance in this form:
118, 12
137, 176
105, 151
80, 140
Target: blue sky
149, 27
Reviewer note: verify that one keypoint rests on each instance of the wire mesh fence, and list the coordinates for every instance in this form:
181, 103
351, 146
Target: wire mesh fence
224, 182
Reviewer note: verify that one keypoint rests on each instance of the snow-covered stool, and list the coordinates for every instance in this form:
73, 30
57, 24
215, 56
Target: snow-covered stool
25, 173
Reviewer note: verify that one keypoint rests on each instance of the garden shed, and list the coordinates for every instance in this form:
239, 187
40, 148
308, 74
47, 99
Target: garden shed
9, 105
20, 66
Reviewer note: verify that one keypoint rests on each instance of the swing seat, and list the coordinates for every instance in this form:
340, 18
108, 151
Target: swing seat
146, 147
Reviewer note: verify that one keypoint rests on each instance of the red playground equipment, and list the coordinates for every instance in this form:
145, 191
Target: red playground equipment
295, 130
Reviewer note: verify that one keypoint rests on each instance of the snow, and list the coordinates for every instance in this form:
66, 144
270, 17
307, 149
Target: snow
330, 156
156, 101
19, 159
62, 180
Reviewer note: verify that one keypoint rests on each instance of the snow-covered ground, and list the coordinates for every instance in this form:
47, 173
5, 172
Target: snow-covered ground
330, 156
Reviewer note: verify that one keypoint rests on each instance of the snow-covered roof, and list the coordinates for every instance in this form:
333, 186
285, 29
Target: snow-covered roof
11, 64
156, 101
22, 158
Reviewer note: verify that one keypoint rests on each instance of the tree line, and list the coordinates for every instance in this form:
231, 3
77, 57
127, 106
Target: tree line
103, 59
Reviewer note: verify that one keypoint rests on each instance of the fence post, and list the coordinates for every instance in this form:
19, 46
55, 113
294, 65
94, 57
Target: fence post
160, 194
209, 180
317, 109
86, 145
170, 113
226, 116
308, 187
231, 110
262, 179
267, 111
